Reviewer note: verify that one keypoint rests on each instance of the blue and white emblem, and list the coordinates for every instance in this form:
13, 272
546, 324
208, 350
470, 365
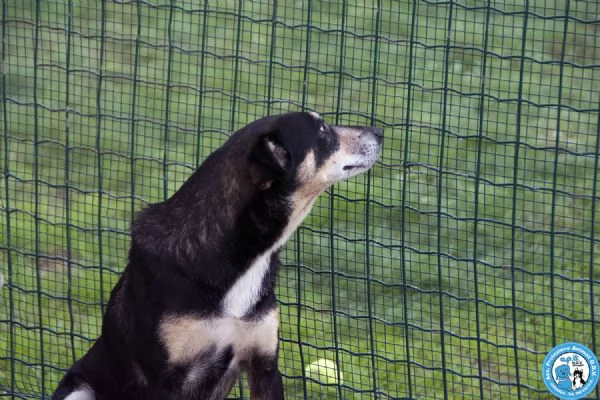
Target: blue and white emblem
570, 371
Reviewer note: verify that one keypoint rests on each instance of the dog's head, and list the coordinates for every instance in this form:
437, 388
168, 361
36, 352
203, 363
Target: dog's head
305, 154
294, 157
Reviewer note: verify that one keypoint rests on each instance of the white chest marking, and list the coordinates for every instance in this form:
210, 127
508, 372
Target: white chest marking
246, 291
83, 393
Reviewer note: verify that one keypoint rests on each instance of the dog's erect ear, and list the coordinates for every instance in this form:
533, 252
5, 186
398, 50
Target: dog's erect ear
271, 153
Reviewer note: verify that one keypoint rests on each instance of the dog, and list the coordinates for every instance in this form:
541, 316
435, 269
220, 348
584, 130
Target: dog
578, 380
195, 306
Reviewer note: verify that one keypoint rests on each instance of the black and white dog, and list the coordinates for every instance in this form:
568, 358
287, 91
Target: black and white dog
196, 305
578, 380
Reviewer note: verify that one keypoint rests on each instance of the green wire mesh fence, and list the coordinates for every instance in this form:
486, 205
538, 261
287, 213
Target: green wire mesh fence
449, 271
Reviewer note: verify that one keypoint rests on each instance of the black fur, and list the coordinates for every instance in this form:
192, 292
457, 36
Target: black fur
578, 373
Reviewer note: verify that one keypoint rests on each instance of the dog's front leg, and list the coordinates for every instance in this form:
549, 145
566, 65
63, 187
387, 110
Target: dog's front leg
264, 378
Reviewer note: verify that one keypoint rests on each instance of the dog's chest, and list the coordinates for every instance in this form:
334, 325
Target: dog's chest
187, 337
247, 289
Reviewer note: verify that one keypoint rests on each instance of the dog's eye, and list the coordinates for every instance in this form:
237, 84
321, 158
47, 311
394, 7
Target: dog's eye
322, 128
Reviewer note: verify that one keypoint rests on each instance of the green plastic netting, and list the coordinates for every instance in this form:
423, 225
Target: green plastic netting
449, 271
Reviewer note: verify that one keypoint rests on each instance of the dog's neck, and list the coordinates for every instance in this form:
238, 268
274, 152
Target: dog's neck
246, 290
182, 228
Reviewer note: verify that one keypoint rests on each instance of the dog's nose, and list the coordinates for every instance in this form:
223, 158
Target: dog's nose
378, 132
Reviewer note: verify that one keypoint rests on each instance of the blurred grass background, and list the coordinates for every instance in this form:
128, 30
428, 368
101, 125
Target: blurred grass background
447, 272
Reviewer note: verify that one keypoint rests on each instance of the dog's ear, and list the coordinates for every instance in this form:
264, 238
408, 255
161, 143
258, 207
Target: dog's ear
269, 152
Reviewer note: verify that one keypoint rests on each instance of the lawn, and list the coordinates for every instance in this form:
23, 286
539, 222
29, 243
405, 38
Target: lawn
448, 271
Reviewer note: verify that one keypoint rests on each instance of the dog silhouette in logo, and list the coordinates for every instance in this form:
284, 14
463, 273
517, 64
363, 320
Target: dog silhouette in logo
563, 372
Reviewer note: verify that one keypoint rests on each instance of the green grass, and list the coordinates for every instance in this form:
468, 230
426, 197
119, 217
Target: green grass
467, 274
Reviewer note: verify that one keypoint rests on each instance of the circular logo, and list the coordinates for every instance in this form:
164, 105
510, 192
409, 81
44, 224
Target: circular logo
570, 371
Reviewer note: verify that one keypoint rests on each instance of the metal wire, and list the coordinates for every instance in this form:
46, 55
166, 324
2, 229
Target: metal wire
448, 271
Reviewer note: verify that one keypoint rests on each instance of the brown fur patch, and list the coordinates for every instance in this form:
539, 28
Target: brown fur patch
349, 139
186, 336
265, 185
306, 170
